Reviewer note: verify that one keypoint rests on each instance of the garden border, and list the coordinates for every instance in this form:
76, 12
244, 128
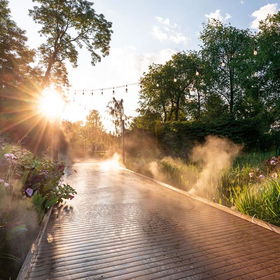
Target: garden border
250, 219
32, 253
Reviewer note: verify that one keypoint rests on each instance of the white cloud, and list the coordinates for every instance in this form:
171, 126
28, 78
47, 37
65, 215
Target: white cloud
159, 34
167, 31
218, 16
262, 13
242, 2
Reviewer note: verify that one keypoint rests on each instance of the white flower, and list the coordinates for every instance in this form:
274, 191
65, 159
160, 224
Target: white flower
6, 185
261, 176
251, 174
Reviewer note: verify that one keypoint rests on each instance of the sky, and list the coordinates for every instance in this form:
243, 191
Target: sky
145, 32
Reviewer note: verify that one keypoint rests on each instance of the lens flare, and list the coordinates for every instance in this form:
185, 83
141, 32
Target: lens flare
51, 104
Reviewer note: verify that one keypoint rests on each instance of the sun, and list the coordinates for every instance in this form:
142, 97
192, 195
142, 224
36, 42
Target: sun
51, 104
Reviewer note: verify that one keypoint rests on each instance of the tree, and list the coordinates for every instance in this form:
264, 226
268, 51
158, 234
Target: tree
116, 110
17, 76
174, 90
229, 52
68, 24
267, 72
15, 56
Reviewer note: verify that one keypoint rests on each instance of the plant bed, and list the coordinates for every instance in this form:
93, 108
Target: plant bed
29, 186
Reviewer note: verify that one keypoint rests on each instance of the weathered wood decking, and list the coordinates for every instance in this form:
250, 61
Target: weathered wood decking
121, 226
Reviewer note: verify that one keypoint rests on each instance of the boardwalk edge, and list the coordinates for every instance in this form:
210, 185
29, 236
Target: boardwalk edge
213, 204
32, 254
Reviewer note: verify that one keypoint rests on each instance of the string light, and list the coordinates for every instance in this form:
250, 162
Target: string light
223, 64
175, 80
157, 85
196, 73
255, 51
126, 89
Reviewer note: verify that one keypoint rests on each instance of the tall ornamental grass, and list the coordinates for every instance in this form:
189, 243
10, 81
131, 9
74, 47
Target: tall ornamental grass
261, 201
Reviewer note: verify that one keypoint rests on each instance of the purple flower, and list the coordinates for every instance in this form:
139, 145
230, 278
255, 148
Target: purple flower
273, 162
261, 176
10, 157
29, 192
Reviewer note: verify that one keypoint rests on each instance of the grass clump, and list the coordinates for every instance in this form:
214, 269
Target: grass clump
261, 201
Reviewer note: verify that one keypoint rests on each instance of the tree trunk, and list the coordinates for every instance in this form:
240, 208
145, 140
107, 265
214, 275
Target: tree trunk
198, 105
231, 102
177, 108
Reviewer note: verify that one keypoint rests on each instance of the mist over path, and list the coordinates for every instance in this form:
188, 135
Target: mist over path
121, 226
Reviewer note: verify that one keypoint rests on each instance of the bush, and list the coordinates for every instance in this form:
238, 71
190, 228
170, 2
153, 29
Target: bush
178, 138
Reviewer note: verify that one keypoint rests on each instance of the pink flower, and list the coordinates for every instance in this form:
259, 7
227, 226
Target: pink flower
6, 185
2, 181
251, 174
273, 162
10, 157
29, 192
261, 176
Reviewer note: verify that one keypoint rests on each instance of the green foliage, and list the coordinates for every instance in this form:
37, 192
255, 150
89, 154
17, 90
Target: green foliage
169, 90
261, 201
66, 26
235, 76
178, 138
15, 57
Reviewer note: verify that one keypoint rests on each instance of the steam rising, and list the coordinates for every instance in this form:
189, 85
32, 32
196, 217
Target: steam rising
214, 157
207, 164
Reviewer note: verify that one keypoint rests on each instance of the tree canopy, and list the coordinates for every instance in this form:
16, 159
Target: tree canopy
234, 75
68, 24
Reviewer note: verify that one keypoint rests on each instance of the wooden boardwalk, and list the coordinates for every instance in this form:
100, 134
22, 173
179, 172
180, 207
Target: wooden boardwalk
121, 226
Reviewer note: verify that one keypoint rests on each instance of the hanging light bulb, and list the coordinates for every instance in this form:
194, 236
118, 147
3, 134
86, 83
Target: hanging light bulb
113, 90
92, 92
157, 85
102, 91
255, 51
196, 73
175, 80
83, 92
126, 89
223, 64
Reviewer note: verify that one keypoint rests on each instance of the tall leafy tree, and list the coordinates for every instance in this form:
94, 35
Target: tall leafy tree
173, 90
229, 52
267, 72
68, 24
